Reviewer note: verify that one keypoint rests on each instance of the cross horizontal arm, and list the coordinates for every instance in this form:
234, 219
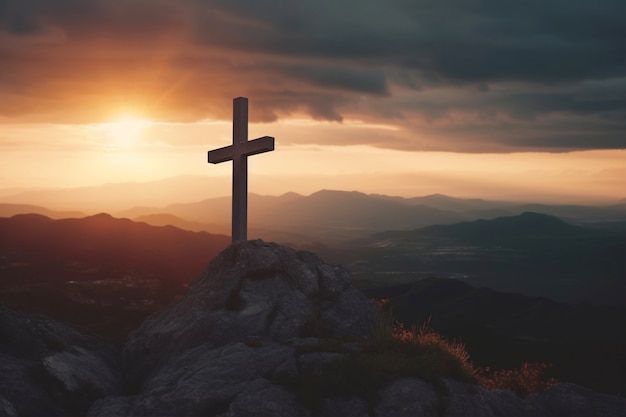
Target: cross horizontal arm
260, 145
221, 154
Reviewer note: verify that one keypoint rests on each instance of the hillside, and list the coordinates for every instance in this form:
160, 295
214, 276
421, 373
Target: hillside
531, 253
9, 210
585, 343
99, 271
525, 225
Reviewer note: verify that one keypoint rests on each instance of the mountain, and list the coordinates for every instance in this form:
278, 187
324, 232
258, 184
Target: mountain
586, 214
331, 216
263, 331
115, 197
166, 219
324, 215
8, 210
445, 202
98, 271
530, 253
584, 342
525, 225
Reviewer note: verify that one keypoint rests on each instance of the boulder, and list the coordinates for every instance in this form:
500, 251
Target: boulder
50, 368
252, 288
407, 397
567, 399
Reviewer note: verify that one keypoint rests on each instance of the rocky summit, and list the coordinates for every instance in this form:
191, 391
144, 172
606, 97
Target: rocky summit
260, 320
252, 289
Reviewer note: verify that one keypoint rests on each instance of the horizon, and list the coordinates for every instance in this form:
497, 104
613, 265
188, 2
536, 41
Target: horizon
383, 100
92, 199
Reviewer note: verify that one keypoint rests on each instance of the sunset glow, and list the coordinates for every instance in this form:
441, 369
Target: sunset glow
381, 100
126, 131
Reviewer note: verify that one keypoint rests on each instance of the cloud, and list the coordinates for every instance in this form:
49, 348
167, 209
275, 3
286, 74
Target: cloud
497, 75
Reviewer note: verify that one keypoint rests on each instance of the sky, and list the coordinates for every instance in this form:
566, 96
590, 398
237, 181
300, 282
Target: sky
495, 98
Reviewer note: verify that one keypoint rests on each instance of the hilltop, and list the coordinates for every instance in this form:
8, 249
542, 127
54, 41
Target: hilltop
264, 330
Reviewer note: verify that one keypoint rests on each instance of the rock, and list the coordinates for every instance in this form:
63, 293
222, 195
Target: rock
316, 363
268, 400
566, 399
407, 397
254, 336
83, 372
344, 407
252, 288
464, 400
64, 368
111, 406
6, 408
205, 380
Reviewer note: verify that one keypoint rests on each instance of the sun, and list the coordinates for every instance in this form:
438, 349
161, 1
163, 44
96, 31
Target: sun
126, 130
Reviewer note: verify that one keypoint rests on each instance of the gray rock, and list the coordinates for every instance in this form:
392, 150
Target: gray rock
64, 368
344, 407
268, 400
333, 280
82, 371
465, 400
286, 370
251, 288
566, 399
6, 408
111, 406
407, 397
317, 362
205, 380
351, 314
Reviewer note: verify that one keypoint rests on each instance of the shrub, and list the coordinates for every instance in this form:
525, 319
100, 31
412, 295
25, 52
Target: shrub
524, 380
394, 351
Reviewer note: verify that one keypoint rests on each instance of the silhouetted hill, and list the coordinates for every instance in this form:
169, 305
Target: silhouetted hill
79, 269
530, 253
324, 215
105, 239
585, 343
331, 216
8, 210
577, 212
166, 219
358, 210
524, 225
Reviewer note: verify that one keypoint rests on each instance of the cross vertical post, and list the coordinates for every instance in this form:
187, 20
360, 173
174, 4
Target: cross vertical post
238, 152
240, 171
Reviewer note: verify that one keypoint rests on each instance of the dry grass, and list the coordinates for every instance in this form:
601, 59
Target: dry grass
394, 351
525, 380
393, 336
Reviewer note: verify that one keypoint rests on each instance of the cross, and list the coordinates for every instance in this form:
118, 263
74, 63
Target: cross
238, 152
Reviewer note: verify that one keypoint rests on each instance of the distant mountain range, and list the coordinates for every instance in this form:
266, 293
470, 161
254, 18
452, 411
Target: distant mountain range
507, 248
530, 253
330, 216
9, 210
525, 225
325, 216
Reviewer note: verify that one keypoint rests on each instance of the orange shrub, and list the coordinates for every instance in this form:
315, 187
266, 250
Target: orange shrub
523, 381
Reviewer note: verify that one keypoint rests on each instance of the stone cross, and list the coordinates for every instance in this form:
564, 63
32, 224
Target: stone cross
238, 152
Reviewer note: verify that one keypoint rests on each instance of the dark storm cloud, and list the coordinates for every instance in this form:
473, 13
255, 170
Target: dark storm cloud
456, 40
492, 75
